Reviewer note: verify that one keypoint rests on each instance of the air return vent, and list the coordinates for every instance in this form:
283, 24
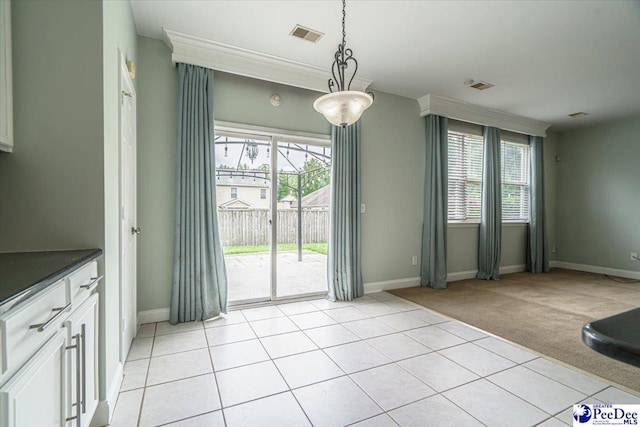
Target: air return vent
578, 115
306, 33
477, 85
481, 85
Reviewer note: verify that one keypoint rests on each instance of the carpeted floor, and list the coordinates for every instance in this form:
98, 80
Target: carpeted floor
544, 312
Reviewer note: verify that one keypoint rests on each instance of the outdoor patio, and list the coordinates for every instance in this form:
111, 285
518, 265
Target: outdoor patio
249, 275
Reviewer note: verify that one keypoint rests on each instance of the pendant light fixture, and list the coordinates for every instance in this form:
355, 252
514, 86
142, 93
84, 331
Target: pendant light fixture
345, 106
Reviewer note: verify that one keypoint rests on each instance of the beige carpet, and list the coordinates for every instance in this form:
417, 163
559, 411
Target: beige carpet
544, 312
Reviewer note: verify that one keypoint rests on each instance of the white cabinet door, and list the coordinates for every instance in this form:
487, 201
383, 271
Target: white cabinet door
6, 85
35, 395
83, 366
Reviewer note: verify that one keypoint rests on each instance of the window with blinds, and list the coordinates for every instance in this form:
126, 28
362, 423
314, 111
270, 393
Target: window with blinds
465, 176
515, 182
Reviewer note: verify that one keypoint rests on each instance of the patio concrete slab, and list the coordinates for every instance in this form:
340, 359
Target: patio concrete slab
249, 275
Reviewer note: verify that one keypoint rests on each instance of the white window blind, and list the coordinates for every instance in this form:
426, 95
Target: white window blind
515, 182
465, 176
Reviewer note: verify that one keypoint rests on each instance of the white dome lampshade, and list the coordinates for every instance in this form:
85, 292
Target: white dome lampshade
343, 108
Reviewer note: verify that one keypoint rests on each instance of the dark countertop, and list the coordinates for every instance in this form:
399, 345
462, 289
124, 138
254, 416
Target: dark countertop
617, 336
24, 274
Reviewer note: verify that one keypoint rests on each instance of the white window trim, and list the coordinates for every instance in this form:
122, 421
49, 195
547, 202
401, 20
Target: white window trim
460, 126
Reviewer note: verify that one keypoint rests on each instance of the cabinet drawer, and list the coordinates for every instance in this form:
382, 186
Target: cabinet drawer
83, 282
26, 329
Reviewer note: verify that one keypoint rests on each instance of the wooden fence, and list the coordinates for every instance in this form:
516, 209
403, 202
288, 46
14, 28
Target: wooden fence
251, 227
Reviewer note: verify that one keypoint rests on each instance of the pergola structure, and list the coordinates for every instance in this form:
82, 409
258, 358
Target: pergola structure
251, 149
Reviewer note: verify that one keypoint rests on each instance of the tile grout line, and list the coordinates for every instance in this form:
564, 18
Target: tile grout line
144, 390
213, 372
365, 340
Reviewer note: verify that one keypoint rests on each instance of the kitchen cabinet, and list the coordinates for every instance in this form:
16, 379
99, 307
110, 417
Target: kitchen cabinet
35, 395
49, 348
6, 82
82, 390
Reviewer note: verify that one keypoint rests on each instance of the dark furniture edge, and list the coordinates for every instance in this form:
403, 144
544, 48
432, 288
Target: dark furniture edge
19, 298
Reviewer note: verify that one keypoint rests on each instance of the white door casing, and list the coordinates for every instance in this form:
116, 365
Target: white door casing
128, 220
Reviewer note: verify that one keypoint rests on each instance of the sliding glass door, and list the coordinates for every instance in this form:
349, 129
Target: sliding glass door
304, 191
273, 209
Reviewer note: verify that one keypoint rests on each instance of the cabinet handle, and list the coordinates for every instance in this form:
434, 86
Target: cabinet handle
60, 311
94, 282
84, 367
77, 417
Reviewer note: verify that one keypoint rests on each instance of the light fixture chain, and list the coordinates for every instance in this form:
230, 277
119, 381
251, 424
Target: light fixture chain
344, 17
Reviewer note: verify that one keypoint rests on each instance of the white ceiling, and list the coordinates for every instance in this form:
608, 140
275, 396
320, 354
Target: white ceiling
546, 58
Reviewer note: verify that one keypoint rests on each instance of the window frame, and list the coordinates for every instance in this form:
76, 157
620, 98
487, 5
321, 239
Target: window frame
526, 184
507, 137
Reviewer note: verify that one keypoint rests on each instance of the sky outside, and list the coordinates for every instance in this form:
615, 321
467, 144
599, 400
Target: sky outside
294, 159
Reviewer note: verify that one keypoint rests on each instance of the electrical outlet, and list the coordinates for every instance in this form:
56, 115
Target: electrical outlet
553, 249
363, 208
414, 260
633, 256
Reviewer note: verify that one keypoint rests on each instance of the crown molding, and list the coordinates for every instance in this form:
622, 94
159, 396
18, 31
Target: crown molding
230, 59
432, 104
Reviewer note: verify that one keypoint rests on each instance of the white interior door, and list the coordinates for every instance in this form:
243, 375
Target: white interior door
128, 222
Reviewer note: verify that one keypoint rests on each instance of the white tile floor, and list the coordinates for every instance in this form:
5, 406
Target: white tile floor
376, 361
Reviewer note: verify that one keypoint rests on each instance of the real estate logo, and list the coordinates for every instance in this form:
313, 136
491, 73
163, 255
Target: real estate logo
605, 415
581, 413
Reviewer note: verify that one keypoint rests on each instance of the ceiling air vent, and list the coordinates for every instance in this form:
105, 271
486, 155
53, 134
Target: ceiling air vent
306, 33
481, 85
477, 85
578, 115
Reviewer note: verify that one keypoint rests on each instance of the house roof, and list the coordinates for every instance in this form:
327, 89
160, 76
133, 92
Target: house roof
320, 197
235, 203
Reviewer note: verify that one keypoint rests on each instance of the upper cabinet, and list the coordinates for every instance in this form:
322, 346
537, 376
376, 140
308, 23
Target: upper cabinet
6, 82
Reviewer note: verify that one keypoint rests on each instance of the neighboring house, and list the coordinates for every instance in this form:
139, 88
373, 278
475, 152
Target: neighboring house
243, 190
317, 200
288, 202
234, 204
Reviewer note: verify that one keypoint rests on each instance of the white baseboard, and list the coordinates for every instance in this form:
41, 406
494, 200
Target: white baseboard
508, 269
451, 277
461, 275
391, 284
153, 316
471, 274
596, 269
104, 411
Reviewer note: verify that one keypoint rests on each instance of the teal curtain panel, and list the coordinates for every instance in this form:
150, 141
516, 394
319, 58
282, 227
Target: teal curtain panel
433, 267
537, 243
343, 264
490, 238
199, 280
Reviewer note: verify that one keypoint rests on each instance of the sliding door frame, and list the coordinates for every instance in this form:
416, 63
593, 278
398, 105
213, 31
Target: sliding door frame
273, 136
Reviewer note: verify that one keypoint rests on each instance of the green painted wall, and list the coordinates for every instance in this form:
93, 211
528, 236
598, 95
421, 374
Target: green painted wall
157, 114
392, 173
392, 158
51, 187
598, 195
392, 188
59, 189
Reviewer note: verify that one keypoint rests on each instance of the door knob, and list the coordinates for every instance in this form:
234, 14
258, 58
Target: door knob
136, 230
